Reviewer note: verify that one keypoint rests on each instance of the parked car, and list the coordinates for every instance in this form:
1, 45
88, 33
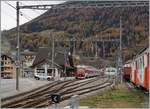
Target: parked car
51, 74
38, 77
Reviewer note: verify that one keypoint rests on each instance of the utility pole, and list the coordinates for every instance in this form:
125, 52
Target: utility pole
103, 48
74, 46
52, 54
96, 47
117, 65
120, 57
65, 64
18, 49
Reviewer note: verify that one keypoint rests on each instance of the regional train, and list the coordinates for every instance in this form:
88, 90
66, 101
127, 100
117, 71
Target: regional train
84, 71
138, 70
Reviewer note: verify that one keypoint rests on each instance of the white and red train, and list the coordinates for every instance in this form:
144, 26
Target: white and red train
84, 71
137, 70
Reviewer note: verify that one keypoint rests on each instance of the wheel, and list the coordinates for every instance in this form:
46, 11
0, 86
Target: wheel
48, 79
37, 78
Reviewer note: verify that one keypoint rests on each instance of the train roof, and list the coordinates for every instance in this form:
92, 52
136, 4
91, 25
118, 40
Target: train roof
86, 67
138, 54
141, 52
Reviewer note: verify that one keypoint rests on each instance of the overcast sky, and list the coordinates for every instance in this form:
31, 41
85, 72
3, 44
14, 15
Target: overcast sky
8, 14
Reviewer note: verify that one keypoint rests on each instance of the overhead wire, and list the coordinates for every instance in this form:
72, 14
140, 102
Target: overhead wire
40, 2
39, 12
21, 13
8, 14
31, 9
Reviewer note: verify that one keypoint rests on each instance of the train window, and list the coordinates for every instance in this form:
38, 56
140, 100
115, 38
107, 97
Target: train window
80, 69
140, 63
148, 58
143, 60
112, 70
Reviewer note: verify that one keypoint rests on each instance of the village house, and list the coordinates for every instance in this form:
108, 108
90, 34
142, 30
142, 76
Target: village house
42, 64
8, 67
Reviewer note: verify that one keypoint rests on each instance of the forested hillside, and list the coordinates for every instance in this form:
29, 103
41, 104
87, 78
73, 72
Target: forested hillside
87, 23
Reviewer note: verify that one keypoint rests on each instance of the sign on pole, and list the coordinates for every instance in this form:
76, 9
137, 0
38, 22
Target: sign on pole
55, 98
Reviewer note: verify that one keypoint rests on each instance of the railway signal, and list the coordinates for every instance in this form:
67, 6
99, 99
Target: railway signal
55, 98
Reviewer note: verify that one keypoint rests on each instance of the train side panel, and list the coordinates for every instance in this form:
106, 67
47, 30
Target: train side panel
140, 70
146, 72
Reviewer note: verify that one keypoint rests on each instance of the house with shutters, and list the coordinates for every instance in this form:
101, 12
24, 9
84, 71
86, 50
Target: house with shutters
8, 67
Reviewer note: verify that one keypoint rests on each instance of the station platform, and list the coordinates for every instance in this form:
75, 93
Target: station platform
8, 86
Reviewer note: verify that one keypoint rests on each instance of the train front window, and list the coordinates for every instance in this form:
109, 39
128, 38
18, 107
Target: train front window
80, 70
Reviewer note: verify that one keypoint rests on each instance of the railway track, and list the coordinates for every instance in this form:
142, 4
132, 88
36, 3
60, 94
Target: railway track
41, 97
132, 87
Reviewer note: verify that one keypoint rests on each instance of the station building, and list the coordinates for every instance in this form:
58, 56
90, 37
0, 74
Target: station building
43, 66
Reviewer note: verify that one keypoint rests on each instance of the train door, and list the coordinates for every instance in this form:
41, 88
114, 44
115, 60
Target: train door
140, 70
136, 72
132, 71
146, 71
143, 66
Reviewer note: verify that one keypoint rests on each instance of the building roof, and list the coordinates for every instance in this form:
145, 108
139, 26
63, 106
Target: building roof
45, 55
8, 56
42, 55
27, 52
59, 58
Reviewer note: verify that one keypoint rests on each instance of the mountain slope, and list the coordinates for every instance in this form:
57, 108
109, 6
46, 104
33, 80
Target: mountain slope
85, 24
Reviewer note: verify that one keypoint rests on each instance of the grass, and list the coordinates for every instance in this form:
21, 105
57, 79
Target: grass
118, 97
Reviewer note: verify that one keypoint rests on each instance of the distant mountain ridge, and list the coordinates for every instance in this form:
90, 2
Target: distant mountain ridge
86, 23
